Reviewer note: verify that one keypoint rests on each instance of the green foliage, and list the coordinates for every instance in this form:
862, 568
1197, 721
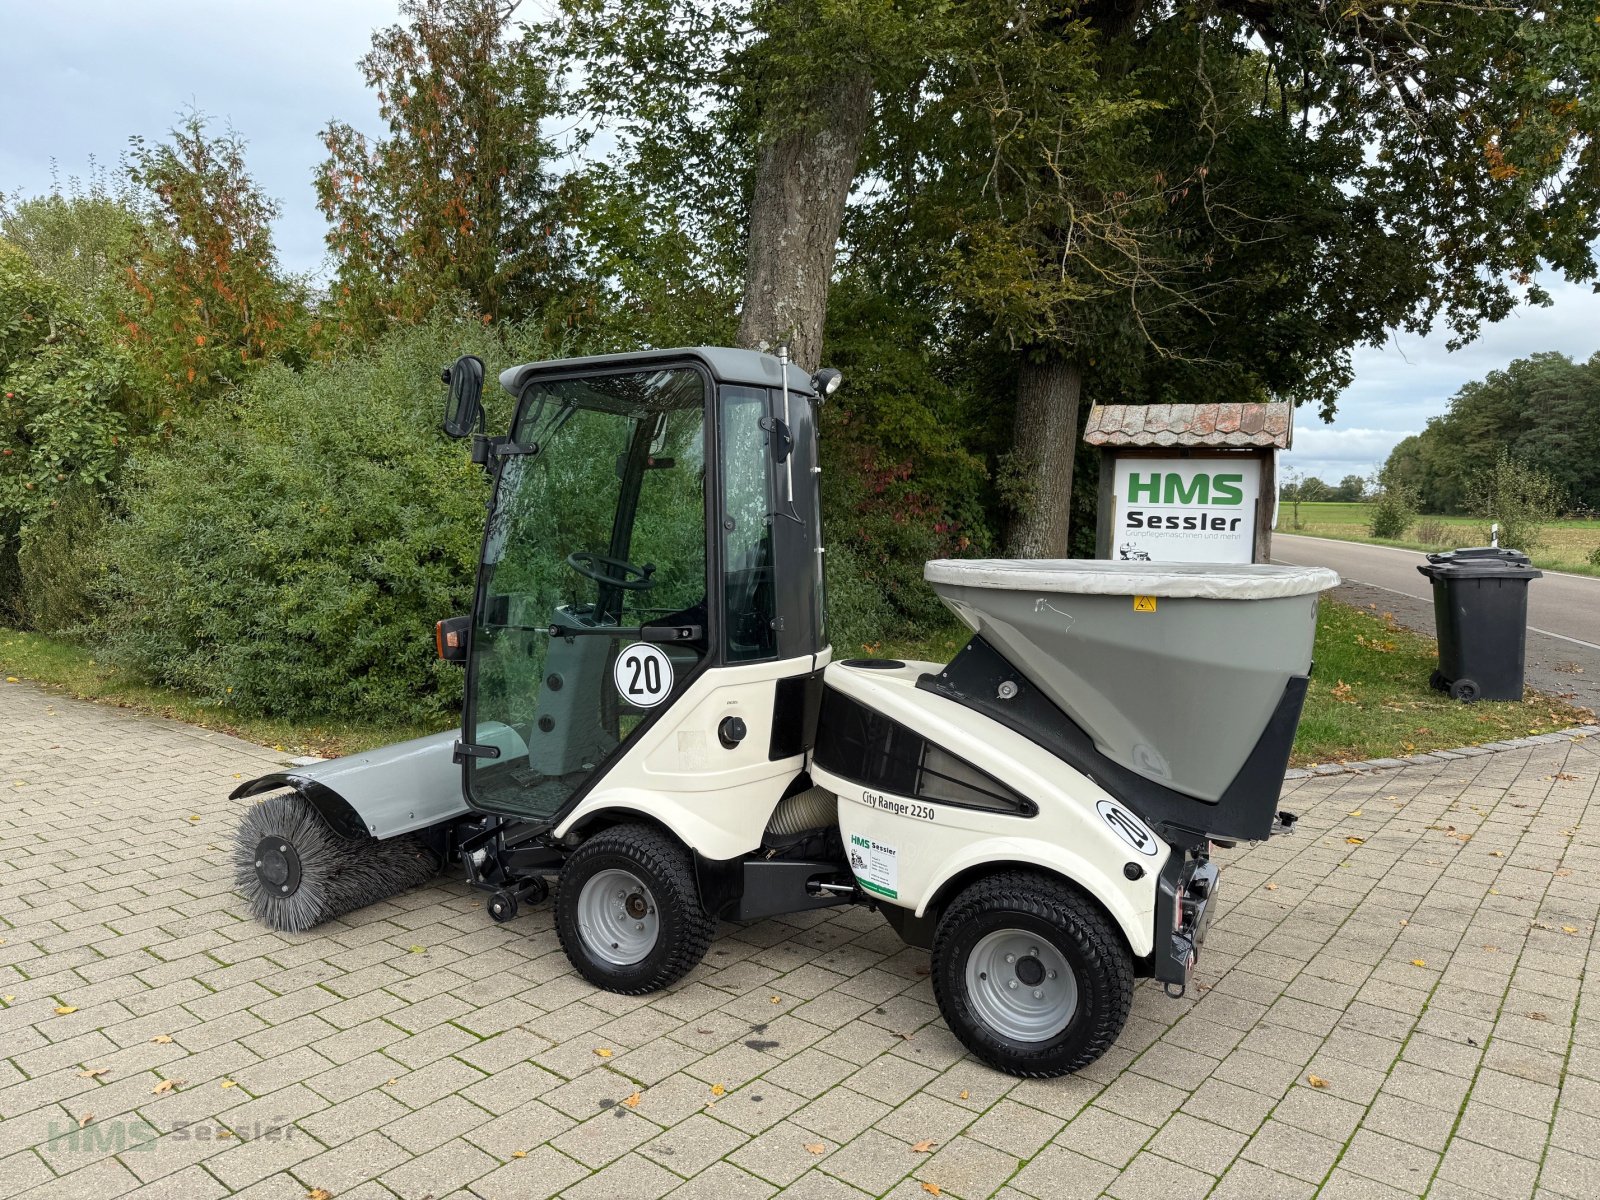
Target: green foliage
81, 237
290, 550
61, 563
209, 304
1545, 409
62, 395
458, 198
1392, 509
1518, 496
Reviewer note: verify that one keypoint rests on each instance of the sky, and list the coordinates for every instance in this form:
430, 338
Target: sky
79, 77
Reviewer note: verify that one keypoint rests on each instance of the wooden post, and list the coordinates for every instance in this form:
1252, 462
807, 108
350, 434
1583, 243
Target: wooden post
1266, 505
1105, 508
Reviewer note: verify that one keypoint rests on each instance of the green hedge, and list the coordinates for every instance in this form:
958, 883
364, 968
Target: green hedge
289, 552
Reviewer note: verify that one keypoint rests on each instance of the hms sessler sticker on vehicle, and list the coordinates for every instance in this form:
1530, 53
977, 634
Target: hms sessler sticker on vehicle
875, 865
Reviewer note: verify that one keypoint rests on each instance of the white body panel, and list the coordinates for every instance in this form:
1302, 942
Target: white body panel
924, 844
715, 800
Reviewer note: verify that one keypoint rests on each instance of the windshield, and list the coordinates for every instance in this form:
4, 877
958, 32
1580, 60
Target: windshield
595, 547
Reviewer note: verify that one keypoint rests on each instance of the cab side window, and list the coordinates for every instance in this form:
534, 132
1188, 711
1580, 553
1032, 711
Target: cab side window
747, 525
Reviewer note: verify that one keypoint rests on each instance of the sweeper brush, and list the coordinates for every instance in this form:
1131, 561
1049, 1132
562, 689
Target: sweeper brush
296, 872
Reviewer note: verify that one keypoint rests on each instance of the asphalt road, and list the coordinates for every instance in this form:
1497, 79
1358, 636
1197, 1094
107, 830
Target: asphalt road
1564, 607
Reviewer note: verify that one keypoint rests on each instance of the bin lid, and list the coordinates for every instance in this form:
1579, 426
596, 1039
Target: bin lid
1099, 577
1479, 554
1480, 568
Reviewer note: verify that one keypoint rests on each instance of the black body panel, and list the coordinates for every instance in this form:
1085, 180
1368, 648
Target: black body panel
795, 708
1244, 812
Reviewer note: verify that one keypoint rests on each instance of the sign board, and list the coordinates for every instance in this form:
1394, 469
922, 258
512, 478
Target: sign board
1185, 509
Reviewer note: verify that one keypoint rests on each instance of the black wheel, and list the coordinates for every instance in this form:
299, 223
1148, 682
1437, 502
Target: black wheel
502, 906
628, 912
1465, 690
1437, 681
1030, 975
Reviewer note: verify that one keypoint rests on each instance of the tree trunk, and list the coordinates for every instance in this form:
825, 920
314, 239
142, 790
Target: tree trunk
1044, 445
802, 183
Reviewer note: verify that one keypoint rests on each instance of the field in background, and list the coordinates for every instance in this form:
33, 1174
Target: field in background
1567, 544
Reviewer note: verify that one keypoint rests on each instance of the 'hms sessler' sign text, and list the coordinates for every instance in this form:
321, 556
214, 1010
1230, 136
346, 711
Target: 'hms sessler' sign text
1185, 509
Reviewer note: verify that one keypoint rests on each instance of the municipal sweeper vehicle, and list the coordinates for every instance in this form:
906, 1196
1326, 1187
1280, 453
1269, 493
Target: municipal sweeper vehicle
653, 720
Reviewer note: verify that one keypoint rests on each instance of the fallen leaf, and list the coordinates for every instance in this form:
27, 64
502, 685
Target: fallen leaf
905, 1037
319, 1194
603, 1051
227, 1083
194, 816
519, 1154
1494, 891
417, 950
1404, 921
224, 1133
925, 1146
85, 1119
1353, 813
1537, 1016
1563, 871
390, 1082
1497, 854
1492, 949
1417, 962
7, 999
64, 1009
1316, 1081
92, 1072
776, 999
632, 1101
1354, 841
933, 1189
718, 1090
1271, 887
161, 1039
816, 1147
963, 1095
12, 679
1569, 929
166, 1085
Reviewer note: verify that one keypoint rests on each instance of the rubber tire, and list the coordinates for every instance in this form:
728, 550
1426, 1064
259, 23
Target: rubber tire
668, 870
1074, 925
1465, 690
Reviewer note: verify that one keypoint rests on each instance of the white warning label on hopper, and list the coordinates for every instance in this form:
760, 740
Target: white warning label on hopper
876, 866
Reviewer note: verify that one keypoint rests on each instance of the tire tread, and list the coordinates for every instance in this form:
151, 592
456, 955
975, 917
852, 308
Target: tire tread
1065, 907
666, 860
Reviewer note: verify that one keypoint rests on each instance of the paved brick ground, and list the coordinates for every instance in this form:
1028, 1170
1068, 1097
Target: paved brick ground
1432, 976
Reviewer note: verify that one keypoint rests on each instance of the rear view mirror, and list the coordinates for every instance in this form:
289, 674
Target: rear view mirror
450, 638
463, 411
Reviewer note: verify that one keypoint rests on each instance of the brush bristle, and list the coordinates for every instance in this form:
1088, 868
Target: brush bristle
338, 875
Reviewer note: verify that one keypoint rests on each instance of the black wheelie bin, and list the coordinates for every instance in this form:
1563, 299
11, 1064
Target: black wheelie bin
1480, 611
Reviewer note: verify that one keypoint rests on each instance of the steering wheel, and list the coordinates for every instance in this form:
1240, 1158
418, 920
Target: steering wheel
612, 571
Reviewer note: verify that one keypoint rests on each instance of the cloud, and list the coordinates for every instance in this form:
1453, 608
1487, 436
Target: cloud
1400, 385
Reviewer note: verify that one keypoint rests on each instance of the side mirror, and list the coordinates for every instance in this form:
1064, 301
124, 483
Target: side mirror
450, 638
463, 411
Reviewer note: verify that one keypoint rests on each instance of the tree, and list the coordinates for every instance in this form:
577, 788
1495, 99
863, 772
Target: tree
81, 237
1238, 192
1544, 409
207, 301
1351, 489
751, 115
458, 199
62, 392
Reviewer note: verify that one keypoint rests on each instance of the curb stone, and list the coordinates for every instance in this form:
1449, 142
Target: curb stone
1576, 734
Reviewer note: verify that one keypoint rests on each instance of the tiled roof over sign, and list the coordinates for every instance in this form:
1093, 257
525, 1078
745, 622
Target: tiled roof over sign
1242, 425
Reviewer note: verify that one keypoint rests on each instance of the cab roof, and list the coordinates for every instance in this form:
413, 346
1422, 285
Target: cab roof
725, 364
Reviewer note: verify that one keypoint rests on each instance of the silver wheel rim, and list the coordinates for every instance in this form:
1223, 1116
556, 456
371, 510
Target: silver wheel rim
617, 917
1021, 986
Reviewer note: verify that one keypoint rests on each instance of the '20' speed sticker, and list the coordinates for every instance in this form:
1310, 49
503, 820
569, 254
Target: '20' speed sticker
643, 674
1128, 827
